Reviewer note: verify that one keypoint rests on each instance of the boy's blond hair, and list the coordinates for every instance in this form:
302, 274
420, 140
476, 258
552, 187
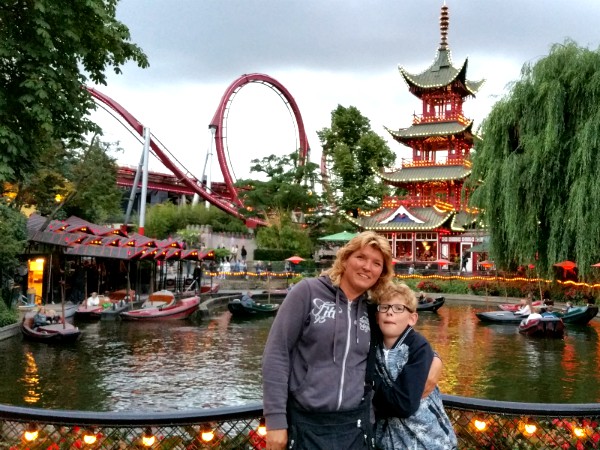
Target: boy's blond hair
392, 290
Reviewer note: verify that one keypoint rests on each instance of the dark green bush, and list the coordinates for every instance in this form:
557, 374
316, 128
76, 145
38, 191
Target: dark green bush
7, 316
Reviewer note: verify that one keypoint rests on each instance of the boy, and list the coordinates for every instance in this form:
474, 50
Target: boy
403, 359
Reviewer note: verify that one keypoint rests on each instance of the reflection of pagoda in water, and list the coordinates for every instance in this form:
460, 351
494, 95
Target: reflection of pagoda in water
432, 220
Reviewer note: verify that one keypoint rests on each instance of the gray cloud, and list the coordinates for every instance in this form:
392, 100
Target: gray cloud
208, 40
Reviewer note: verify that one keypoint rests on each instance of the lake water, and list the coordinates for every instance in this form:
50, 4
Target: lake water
180, 365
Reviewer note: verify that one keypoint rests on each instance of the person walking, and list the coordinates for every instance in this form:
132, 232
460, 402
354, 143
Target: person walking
315, 358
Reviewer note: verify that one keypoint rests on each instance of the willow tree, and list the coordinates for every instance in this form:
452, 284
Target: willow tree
539, 166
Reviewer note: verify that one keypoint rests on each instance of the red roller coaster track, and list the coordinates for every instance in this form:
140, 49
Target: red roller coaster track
232, 204
218, 120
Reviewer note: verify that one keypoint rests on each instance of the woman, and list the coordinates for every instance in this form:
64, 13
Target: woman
526, 306
315, 359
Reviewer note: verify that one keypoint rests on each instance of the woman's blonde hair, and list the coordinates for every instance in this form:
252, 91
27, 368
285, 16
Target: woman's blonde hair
391, 290
364, 239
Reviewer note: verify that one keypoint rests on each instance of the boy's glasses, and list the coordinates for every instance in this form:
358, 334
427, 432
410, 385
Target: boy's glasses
395, 308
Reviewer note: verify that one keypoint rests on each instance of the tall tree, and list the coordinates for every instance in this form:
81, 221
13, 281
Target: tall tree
48, 50
283, 234
83, 180
539, 164
14, 238
289, 186
355, 153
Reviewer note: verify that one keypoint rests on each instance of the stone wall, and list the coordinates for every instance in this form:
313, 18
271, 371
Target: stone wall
212, 239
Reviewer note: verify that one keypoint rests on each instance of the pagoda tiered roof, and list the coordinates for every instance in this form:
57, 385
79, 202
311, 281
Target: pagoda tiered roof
403, 219
463, 220
441, 73
427, 173
434, 129
411, 219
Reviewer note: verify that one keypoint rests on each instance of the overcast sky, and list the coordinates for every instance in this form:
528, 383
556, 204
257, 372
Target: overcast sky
325, 52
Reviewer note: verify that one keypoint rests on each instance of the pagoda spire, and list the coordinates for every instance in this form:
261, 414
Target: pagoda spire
444, 22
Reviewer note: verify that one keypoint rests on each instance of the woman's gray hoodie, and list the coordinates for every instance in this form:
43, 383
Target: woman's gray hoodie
316, 352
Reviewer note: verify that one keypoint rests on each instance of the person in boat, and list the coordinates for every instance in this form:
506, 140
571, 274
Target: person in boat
247, 300
568, 307
526, 306
536, 314
402, 362
546, 299
422, 298
324, 323
93, 300
41, 318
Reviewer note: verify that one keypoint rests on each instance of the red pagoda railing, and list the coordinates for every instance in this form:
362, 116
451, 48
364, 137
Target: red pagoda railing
449, 116
421, 202
458, 160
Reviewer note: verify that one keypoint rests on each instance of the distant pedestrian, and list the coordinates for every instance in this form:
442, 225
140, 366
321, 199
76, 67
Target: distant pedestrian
464, 262
197, 277
243, 253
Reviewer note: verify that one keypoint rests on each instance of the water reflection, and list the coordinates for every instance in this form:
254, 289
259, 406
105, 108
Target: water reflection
31, 380
183, 365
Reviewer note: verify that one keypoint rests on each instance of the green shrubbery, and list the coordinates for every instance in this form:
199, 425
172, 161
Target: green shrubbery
7, 316
504, 288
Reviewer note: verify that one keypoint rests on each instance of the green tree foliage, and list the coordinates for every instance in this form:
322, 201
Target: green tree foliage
14, 238
284, 234
85, 179
539, 164
97, 197
355, 154
167, 219
48, 50
289, 186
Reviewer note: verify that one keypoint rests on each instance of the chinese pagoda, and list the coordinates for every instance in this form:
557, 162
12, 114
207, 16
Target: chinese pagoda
432, 221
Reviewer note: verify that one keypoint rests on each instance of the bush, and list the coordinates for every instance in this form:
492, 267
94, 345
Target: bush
428, 286
7, 316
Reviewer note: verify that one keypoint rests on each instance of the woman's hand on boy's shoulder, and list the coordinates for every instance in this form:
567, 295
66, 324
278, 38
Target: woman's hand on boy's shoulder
434, 376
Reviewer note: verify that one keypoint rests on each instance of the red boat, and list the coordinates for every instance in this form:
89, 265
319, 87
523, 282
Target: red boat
546, 325
52, 333
175, 310
208, 289
117, 301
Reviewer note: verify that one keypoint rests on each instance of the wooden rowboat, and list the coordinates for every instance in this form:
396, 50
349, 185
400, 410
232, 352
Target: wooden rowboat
238, 309
176, 310
51, 333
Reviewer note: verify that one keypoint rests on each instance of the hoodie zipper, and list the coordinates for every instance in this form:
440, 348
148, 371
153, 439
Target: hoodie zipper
346, 351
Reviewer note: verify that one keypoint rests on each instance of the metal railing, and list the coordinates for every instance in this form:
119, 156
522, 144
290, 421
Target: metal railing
479, 424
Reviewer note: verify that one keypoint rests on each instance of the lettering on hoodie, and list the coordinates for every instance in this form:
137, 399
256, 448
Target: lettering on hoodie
322, 310
363, 324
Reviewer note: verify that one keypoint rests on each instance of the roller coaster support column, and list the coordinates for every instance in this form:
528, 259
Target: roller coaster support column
206, 175
134, 189
144, 180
